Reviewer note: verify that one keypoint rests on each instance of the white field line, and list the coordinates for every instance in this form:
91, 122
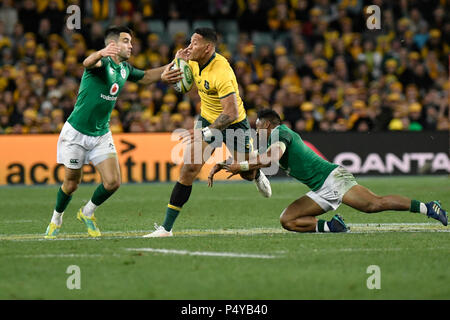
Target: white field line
354, 229
59, 255
18, 221
279, 254
204, 253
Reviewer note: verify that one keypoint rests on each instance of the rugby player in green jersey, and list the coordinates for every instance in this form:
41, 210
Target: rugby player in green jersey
330, 183
85, 137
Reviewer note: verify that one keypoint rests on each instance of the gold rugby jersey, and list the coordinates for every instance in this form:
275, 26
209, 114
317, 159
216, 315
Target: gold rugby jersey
216, 80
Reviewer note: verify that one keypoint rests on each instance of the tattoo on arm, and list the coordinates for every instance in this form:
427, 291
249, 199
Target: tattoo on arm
222, 121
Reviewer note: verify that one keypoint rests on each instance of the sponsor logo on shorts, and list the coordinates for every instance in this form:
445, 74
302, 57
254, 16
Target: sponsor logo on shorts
74, 161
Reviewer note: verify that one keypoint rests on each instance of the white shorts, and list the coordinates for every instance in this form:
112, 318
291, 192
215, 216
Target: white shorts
329, 196
76, 149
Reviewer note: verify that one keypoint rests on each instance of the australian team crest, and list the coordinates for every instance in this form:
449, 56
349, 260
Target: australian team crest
206, 85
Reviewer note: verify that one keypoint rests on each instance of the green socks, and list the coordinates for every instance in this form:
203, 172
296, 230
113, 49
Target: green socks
180, 195
100, 195
418, 207
62, 200
172, 213
322, 226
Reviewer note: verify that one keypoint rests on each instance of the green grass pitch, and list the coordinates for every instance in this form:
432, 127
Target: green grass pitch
228, 244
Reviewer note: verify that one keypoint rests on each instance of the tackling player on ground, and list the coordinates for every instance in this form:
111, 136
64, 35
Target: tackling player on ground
85, 137
222, 110
330, 183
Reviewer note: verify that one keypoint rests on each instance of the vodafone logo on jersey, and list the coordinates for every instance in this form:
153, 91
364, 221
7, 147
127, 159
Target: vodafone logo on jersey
114, 89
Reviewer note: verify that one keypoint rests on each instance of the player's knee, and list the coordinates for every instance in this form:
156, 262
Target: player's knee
70, 186
248, 175
289, 225
286, 222
111, 185
189, 172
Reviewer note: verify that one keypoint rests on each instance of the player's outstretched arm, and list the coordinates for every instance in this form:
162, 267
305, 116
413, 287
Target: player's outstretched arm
93, 60
273, 155
219, 166
162, 73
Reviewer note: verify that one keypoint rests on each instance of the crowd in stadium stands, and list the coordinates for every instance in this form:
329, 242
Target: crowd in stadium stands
313, 61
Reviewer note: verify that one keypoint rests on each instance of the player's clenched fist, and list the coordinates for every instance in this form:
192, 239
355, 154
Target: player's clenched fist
110, 50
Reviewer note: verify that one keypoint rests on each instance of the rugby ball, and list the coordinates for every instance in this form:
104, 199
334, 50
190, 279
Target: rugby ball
185, 84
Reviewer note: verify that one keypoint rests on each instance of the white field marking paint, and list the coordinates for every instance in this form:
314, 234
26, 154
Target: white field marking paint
60, 255
18, 221
221, 254
204, 253
354, 229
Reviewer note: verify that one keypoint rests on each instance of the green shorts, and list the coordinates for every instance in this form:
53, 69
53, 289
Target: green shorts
237, 137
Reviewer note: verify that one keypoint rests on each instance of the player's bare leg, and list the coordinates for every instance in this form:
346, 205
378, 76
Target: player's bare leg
110, 173
300, 215
362, 199
72, 178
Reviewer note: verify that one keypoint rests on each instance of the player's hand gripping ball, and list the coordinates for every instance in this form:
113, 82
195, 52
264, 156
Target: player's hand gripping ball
185, 84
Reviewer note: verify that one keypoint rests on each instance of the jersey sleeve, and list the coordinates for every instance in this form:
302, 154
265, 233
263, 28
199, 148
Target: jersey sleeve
284, 136
105, 62
224, 82
135, 74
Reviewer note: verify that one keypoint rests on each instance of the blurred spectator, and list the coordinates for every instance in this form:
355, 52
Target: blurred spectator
8, 15
254, 17
53, 11
323, 70
28, 16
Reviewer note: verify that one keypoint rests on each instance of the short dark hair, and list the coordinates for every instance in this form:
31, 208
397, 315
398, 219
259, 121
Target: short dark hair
269, 115
115, 31
208, 34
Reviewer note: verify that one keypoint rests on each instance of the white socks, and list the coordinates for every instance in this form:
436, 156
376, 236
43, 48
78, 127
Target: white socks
423, 208
89, 209
57, 218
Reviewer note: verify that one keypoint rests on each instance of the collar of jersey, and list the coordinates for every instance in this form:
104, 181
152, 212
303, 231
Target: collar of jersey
114, 64
277, 127
207, 63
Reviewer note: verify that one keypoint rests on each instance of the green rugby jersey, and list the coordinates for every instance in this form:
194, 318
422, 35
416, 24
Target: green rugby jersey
99, 89
299, 161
